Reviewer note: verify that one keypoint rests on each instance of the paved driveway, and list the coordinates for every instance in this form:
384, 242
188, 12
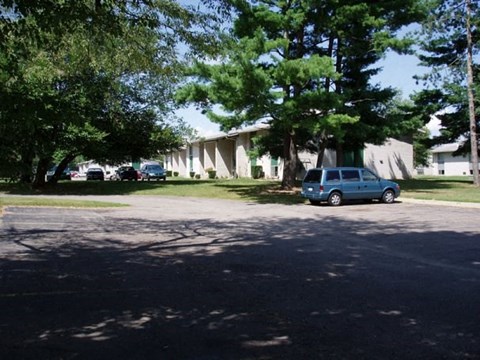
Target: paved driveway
179, 278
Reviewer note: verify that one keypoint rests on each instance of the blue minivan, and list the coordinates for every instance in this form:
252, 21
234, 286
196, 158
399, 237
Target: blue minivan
334, 185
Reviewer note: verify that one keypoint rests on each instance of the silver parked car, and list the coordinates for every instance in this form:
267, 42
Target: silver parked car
153, 172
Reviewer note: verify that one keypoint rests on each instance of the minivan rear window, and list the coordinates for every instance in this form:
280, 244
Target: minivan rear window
313, 176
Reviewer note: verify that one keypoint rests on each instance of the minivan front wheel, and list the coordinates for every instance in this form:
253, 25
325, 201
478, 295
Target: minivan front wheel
388, 197
335, 199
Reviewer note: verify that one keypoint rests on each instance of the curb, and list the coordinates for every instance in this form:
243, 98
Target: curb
440, 203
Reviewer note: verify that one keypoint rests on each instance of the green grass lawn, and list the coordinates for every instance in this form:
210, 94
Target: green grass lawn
444, 188
37, 201
260, 191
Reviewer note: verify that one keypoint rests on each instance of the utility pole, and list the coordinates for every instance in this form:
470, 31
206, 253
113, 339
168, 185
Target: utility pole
471, 104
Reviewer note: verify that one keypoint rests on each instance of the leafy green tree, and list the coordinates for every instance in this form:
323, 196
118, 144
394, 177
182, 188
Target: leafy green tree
359, 34
78, 75
444, 48
267, 73
304, 67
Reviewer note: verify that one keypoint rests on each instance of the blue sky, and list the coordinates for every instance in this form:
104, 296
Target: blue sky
398, 72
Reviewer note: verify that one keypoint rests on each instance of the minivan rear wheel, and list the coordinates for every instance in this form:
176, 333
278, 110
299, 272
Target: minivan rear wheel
335, 199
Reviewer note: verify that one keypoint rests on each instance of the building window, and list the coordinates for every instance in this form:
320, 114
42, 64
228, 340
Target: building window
441, 172
441, 158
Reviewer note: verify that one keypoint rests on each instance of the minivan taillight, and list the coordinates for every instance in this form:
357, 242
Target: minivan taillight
321, 188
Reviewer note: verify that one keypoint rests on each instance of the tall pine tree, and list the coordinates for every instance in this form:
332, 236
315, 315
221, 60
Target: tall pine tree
304, 67
446, 49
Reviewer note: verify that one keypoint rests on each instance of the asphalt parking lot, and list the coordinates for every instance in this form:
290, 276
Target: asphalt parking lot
182, 278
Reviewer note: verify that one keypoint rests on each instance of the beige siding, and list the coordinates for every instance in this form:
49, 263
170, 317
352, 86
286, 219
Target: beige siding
309, 160
209, 153
201, 159
243, 163
392, 160
228, 155
182, 162
224, 157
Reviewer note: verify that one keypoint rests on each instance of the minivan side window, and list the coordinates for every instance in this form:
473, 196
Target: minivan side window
313, 176
368, 175
333, 175
350, 175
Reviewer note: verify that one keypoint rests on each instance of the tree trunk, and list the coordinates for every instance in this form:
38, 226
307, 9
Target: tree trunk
26, 169
357, 158
322, 146
27, 155
290, 160
340, 154
61, 167
338, 90
42, 169
471, 103
322, 137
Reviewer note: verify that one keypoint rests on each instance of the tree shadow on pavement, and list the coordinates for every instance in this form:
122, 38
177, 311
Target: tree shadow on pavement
287, 289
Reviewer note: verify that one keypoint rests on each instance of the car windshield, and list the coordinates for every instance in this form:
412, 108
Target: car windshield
154, 167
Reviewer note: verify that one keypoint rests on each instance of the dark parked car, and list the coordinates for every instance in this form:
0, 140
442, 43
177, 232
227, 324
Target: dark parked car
95, 174
126, 173
66, 174
153, 172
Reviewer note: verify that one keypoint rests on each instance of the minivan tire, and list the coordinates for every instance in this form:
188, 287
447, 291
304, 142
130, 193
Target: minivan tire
335, 199
388, 197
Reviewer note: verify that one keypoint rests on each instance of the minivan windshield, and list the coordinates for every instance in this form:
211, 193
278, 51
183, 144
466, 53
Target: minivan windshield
313, 176
154, 167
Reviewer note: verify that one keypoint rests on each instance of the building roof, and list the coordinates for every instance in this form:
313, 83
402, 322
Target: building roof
446, 148
233, 133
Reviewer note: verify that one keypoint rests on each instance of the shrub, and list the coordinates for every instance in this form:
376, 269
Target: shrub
197, 176
175, 173
257, 172
192, 174
169, 173
212, 174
